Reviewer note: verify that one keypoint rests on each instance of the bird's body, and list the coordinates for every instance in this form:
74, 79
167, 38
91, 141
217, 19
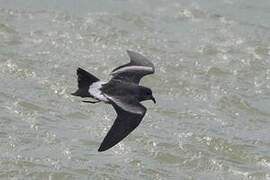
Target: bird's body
123, 92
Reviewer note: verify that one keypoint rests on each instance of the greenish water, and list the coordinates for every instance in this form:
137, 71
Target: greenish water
212, 85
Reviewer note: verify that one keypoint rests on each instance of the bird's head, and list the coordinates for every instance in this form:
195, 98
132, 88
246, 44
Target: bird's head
146, 94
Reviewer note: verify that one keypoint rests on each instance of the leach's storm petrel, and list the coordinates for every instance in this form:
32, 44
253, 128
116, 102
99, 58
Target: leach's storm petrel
123, 92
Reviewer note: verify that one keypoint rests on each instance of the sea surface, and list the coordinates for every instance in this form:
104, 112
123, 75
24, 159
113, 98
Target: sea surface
212, 86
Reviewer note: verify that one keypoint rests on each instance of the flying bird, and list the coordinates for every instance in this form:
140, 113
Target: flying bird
123, 92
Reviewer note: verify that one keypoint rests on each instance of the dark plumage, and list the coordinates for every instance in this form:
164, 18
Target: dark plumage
123, 92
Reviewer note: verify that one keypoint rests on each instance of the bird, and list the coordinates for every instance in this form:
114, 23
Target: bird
123, 91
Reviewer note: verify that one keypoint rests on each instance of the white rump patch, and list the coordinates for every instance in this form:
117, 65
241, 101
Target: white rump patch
94, 90
133, 68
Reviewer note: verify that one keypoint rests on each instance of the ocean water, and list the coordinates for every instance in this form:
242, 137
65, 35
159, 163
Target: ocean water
212, 86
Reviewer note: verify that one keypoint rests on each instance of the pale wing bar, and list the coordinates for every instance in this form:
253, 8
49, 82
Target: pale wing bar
128, 104
134, 68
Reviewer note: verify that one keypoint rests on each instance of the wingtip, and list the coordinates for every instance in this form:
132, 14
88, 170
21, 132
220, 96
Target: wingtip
128, 51
139, 56
101, 149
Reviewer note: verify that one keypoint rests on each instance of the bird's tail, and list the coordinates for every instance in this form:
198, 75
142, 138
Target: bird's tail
85, 79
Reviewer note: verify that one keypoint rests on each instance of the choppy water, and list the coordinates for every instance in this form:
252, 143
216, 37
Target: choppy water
212, 84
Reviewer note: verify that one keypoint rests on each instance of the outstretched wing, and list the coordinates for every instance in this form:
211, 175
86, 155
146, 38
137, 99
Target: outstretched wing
138, 67
124, 124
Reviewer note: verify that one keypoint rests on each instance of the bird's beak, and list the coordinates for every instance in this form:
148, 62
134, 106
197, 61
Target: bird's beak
153, 99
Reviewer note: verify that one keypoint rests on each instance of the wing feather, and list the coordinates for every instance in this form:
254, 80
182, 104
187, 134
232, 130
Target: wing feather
138, 67
123, 125
128, 104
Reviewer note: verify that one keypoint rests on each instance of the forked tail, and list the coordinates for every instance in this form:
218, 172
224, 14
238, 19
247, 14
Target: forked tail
85, 79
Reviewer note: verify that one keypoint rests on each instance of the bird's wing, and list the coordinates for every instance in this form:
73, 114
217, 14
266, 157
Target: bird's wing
138, 67
125, 122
